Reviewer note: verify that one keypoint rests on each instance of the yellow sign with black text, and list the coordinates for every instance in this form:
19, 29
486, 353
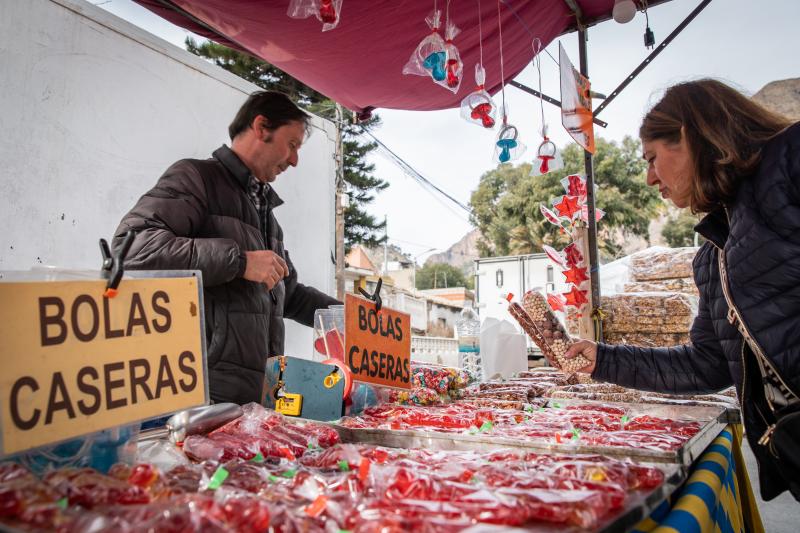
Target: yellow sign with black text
378, 343
74, 362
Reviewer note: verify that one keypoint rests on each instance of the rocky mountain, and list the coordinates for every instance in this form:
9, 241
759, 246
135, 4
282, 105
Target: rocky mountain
781, 96
394, 253
461, 254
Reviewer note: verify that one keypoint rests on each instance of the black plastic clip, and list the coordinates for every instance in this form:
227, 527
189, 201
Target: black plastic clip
113, 268
376, 296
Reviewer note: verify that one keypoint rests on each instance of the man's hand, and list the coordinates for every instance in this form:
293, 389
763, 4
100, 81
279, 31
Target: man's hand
587, 349
265, 266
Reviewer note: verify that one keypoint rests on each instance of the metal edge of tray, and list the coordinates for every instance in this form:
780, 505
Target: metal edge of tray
684, 455
458, 441
640, 506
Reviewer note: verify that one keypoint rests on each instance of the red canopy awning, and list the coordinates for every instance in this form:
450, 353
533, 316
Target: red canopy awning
359, 63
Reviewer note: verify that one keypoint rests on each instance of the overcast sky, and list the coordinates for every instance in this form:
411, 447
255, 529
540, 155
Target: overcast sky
747, 43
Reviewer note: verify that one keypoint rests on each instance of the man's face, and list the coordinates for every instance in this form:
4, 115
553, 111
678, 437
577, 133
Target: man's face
279, 150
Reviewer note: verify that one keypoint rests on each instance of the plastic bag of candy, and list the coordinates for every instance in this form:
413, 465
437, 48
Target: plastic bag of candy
326, 11
454, 67
429, 58
478, 107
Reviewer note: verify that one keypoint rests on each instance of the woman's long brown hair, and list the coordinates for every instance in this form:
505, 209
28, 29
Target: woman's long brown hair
724, 130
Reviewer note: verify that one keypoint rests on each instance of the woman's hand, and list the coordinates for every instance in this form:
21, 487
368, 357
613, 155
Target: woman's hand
588, 349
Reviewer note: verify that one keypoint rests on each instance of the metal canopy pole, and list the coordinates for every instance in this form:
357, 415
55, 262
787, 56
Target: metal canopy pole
548, 99
660, 48
594, 265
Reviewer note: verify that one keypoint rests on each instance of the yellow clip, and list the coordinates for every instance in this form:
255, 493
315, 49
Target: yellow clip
290, 404
332, 379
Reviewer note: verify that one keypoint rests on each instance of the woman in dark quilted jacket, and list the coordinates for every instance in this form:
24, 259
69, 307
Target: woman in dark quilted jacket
710, 148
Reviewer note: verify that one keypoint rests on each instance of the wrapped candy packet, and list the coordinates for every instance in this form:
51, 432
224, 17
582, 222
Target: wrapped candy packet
429, 58
553, 339
478, 107
326, 11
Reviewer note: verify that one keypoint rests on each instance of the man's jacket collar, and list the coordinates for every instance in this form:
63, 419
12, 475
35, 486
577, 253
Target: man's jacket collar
239, 170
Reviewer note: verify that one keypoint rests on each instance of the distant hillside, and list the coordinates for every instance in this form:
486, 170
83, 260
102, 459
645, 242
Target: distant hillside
781, 96
393, 252
461, 254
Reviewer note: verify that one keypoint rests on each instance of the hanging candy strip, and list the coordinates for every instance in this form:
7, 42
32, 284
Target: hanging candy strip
506, 147
326, 11
547, 157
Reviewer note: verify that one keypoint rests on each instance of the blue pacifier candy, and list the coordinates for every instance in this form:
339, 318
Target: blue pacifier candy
505, 146
435, 62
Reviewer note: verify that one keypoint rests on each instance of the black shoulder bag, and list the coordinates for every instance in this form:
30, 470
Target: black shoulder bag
782, 438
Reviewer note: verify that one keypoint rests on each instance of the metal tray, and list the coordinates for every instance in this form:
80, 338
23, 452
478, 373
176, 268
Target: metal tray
637, 507
714, 420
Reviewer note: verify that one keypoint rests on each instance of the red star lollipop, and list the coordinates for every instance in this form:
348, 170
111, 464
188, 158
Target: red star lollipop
575, 185
576, 297
573, 255
575, 275
568, 206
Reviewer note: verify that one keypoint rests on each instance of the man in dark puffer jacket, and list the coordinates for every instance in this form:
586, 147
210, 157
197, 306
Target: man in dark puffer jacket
216, 216
710, 148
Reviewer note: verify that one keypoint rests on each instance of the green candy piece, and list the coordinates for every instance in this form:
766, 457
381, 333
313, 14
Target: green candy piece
344, 466
486, 426
218, 478
258, 458
557, 405
624, 419
576, 433
62, 503
529, 408
273, 479
289, 473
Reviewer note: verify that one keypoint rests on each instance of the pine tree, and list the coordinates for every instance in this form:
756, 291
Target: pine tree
360, 182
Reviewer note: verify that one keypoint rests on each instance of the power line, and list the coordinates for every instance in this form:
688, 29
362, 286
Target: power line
411, 171
408, 170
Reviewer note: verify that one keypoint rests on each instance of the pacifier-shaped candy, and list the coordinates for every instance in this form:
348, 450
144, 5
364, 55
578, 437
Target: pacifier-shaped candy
546, 154
507, 144
327, 11
478, 107
482, 112
435, 63
481, 108
452, 73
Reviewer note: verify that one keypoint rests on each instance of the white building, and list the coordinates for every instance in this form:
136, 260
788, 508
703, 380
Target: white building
516, 274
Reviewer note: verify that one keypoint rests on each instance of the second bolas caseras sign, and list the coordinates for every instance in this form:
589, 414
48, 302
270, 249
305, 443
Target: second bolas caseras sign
75, 362
377, 343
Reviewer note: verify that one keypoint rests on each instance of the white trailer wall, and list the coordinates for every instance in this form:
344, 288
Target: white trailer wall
94, 109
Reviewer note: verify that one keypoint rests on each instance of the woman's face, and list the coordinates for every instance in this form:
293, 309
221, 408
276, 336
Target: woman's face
669, 167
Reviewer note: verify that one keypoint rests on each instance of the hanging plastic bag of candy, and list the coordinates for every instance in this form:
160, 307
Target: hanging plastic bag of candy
430, 56
478, 107
507, 146
548, 157
454, 67
327, 11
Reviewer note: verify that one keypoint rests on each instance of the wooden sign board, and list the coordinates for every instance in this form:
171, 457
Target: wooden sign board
75, 362
377, 343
